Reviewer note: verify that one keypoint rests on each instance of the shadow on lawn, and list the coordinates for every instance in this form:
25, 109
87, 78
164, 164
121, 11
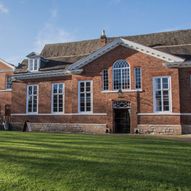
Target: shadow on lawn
87, 162
99, 171
72, 169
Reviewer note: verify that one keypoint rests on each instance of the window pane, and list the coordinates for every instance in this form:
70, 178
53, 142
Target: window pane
9, 82
55, 88
165, 83
105, 80
58, 97
30, 90
34, 103
82, 98
88, 108
60, 88
82, 108
35, 64
32, 98
35, 90
85, 96
82, 87
158, 101
29, 104
60, 101
82, 102
138, 78
117, 79
88, 98
30, 63
55, 103
158, 83
87, 86
166, 100
125, 79
121, 75
162, 100
55, 108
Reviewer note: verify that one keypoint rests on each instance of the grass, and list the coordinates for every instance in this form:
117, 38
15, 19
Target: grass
74, 162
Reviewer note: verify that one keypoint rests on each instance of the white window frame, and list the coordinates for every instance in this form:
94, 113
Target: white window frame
28, 99
113, 69
33, 64
136, 77
52, 98
170, 95
103, 79
6, 84
91, 92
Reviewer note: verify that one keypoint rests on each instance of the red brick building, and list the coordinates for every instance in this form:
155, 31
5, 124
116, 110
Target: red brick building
131, 84
6, 71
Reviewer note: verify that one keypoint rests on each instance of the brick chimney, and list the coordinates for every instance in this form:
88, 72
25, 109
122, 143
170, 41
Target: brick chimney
103, 39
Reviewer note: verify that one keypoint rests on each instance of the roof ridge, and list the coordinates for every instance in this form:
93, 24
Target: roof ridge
113, 37
77, 41
160, 32
68, 56
176, 45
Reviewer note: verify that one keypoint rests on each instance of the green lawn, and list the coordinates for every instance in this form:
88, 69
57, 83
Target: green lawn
42, 161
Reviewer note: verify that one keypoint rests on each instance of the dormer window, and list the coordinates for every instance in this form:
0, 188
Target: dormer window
33, 64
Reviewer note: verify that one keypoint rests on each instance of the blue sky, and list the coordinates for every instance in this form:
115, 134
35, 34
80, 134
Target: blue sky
26, 25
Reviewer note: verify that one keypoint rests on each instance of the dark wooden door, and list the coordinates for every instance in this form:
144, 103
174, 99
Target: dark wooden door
122, 121
8, 110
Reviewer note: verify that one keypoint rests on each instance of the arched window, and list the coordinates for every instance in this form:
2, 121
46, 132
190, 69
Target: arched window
121, 75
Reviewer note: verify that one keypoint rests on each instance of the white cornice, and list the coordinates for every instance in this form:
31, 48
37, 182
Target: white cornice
150, 51
7, 64
45, 74
5, 71
186, 64
82, 62
129, 44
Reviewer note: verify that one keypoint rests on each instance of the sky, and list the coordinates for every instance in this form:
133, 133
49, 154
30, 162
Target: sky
27, 25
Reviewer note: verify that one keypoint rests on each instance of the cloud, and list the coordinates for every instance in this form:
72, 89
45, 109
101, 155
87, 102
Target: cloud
3, 9
14, 60
51, 34
54, 13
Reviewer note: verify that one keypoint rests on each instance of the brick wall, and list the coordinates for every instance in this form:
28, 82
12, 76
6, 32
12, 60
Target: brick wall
5, 96
102, 102
185, 95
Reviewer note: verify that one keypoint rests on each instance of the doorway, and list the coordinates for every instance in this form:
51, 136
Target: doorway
122, 120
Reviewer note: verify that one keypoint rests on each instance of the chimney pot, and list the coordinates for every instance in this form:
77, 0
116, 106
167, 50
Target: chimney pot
103, 38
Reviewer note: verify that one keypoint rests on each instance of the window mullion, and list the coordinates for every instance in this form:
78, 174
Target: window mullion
121, 79
85, 106
57, 95
162, 105
32, 98
33, 64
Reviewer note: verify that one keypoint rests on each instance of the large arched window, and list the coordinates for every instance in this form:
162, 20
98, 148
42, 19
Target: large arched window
121, 75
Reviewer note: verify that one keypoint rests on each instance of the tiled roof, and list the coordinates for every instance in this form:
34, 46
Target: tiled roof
174, 42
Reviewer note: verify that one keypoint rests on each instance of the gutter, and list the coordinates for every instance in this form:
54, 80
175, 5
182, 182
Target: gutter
47, 74
184, 64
